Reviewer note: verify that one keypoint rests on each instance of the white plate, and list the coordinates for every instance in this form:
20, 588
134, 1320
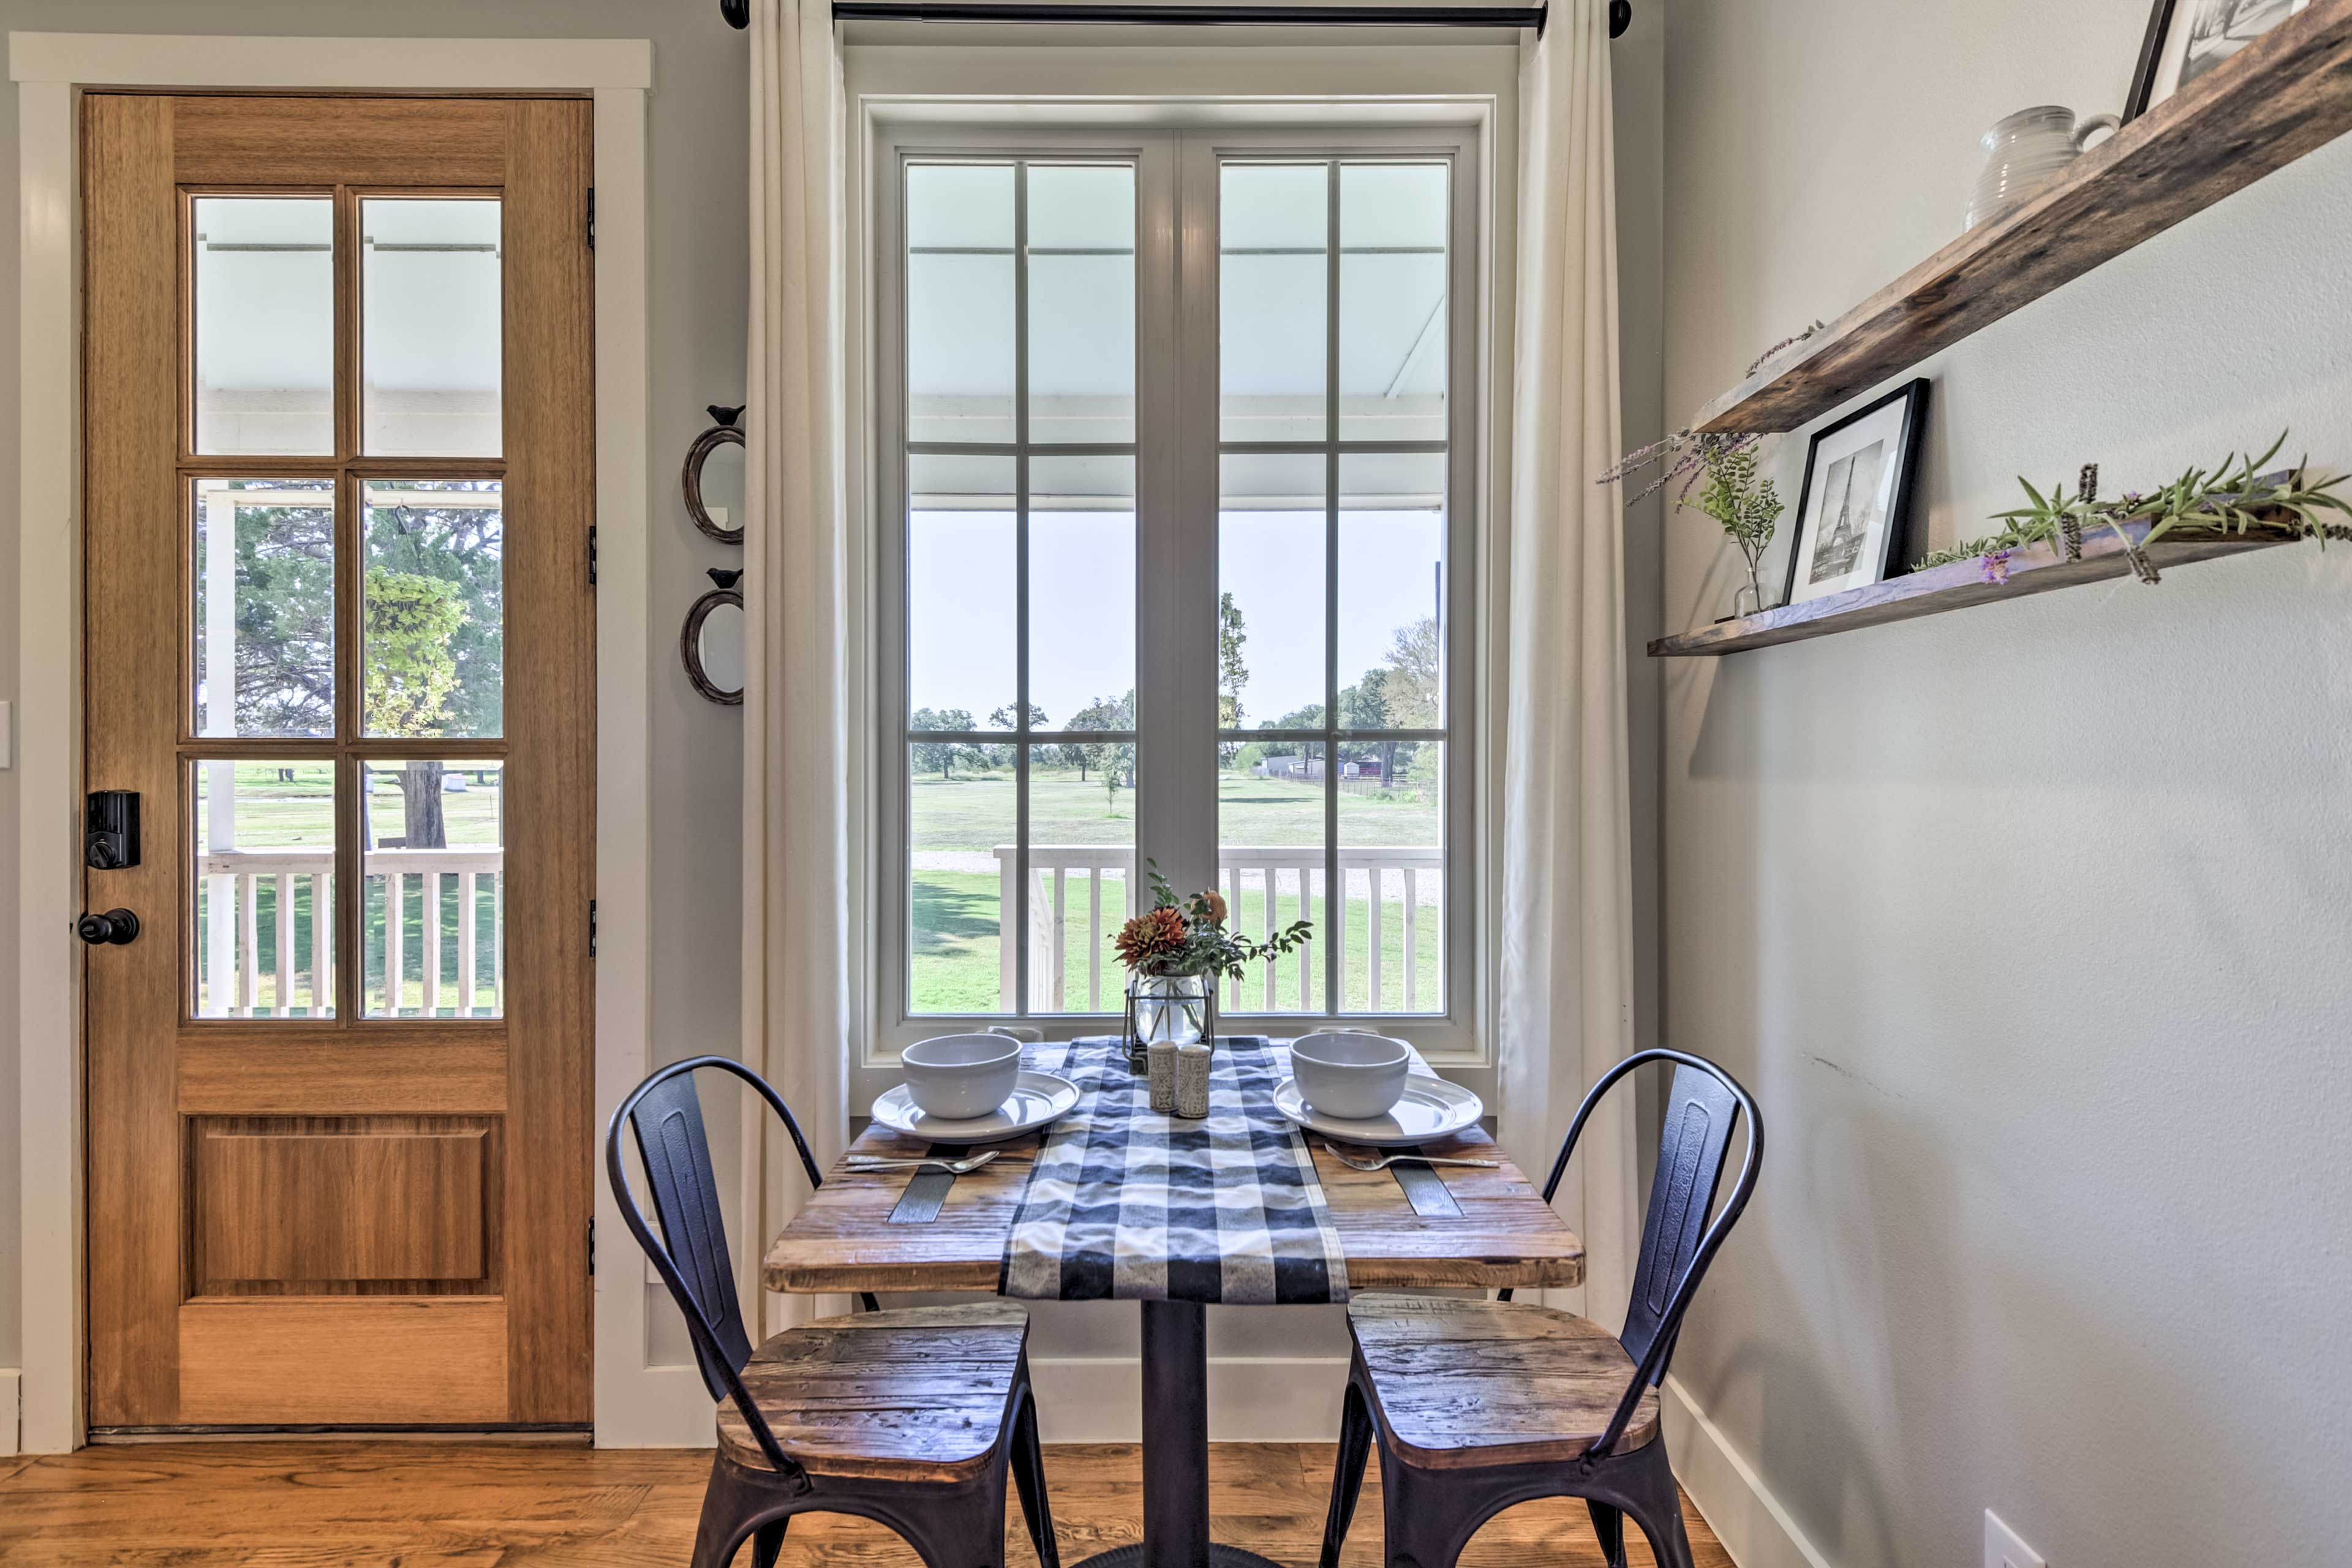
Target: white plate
1430, 1109
1038, 1098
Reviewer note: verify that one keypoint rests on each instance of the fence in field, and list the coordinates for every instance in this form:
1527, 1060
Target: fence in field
230, 928
1283, 879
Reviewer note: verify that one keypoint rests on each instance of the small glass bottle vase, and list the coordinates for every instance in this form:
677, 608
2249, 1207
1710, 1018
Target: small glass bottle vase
1175, 1008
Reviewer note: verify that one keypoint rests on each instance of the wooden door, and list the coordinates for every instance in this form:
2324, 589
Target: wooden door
337, 502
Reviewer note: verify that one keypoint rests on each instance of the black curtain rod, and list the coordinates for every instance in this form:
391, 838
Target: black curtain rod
738, 14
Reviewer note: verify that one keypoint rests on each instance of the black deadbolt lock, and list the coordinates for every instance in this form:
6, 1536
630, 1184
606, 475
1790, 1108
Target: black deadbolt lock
109, 840
118, 927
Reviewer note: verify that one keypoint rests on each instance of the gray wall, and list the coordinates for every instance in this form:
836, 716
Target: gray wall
2027, 924
698, 178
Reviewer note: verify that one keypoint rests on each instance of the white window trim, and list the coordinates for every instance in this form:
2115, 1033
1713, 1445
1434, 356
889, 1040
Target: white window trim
634, 1406
1026, 87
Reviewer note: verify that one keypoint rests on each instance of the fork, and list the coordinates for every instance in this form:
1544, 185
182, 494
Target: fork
1382, 1162
930, 1162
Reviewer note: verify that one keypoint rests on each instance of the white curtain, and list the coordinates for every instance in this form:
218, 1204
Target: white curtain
1565, 1003
797, 1007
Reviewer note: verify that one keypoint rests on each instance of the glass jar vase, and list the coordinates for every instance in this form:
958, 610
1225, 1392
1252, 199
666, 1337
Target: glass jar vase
1176, 1008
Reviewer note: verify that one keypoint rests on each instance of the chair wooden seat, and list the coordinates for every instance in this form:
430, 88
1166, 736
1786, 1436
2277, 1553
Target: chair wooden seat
918, 1394
1463, 1383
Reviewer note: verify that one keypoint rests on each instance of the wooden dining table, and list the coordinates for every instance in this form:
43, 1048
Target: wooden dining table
844, 1239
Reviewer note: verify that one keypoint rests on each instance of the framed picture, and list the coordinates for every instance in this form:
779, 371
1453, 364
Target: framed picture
1853, 514
2186, 39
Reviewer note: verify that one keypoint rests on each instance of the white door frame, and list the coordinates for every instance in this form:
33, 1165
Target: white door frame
633, 1404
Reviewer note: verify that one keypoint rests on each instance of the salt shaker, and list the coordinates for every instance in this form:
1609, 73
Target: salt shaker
1192, 1081
1162, 1055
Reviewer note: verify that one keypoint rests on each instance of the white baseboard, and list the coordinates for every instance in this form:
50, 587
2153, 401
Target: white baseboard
1253, 1399
1744, 1516
11, 1403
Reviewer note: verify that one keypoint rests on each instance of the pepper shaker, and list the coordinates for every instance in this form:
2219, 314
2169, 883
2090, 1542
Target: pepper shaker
1192, 1081
1162, 1055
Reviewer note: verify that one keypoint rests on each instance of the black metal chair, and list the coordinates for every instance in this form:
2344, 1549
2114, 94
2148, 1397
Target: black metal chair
909, 1417
1477, 1406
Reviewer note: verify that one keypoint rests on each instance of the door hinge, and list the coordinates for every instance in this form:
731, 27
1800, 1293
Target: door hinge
592, 556
592, 927
591, 1246
591, 217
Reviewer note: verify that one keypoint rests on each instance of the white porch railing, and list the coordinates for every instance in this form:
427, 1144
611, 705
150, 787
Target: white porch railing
1279, 875
231, 930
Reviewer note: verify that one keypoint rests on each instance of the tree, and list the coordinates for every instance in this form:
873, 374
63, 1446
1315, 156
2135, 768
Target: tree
939, 756
1113, 757
1003, 756
1102, 713
410, 622
1232, 673
1411, 676
1365, 706
284, 682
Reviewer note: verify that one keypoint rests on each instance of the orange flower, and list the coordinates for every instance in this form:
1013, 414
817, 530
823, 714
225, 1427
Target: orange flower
1150, 937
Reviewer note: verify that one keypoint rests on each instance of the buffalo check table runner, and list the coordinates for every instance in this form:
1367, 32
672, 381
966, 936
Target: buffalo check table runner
1124, 1203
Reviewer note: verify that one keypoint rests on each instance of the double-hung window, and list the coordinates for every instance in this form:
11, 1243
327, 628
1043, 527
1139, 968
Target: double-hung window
1177, 499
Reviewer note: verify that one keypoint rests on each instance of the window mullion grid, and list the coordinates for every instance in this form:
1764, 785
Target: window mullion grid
1021, 956
1335, 881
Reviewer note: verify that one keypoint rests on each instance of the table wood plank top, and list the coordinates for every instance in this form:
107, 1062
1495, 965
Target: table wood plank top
843, 1240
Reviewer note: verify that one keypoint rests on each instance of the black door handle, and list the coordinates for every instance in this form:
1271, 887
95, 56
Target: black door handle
115, 927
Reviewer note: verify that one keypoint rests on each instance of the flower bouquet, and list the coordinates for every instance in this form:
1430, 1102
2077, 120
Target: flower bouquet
1175, 952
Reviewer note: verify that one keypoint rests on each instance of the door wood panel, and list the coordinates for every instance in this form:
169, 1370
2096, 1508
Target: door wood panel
358, 1360
273, 1195
281, 1200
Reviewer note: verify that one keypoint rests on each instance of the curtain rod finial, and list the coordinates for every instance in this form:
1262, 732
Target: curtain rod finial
737, 11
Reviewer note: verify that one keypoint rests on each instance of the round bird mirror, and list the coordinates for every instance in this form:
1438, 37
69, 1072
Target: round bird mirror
713, 477
712, 643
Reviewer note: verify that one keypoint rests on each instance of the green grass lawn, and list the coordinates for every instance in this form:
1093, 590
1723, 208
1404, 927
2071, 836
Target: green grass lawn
274, 812
957, 951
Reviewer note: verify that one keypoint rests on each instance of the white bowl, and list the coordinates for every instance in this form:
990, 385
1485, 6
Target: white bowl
959, 1077
1349, 1074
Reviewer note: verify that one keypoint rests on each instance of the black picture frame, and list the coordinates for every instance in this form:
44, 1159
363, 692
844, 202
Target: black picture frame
2162, 14
2151, 51
1895, 550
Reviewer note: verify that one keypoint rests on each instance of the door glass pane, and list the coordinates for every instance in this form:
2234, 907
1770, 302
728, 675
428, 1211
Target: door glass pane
1393, 848
262, 942
1393, 301
262, 581
433, 937
433, 617
1270, 599
1081, 590
1082, 875
959, 302
1081, 303
265, 326
961, 877
1270, 835
1392, 589
432, 339
961, 610
1272, 329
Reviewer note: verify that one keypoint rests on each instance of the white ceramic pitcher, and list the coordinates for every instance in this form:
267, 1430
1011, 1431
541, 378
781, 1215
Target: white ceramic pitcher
2023, 153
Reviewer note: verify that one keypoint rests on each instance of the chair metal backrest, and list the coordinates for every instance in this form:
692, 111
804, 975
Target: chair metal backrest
1703, 1109
665, 1114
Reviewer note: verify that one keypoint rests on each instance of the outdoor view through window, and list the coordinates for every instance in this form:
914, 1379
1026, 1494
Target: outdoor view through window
1026, 693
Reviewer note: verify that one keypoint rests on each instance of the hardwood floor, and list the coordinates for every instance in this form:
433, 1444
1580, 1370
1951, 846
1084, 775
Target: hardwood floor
309, 1504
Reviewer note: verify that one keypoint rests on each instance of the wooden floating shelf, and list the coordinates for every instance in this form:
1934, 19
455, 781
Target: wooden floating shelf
1961, 586
2279, 98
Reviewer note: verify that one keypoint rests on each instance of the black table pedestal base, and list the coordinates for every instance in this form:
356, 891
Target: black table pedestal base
1220, 1556
1176, 1449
